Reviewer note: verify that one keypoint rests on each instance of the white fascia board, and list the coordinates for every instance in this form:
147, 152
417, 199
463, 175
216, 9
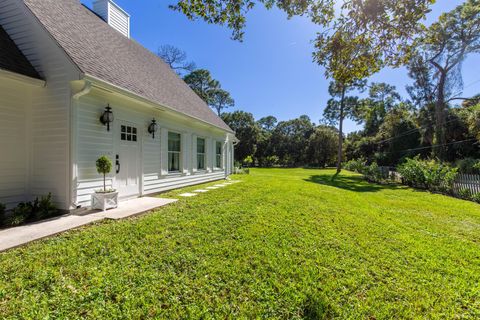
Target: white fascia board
116, 89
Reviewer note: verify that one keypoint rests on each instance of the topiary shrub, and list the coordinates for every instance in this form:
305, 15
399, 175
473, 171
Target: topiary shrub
104, 166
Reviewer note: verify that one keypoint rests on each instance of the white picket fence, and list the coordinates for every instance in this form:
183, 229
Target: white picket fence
462, 182
467, 181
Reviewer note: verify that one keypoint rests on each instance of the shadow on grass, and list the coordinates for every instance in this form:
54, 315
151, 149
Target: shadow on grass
317, 308
351, 183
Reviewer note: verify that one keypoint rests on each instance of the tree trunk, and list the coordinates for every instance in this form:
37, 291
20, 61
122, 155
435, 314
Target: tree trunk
340, 132
440, 130
104, 183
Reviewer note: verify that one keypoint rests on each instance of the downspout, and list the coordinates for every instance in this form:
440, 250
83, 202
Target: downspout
234, 143
230, 138
87, 87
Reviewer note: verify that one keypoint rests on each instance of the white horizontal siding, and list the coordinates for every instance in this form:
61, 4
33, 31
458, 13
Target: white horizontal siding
155, 184
118, 20
113, 15
93, 140
49, 130
14, 105
86, 188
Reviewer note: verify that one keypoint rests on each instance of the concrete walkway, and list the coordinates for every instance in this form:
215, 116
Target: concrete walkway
14, 237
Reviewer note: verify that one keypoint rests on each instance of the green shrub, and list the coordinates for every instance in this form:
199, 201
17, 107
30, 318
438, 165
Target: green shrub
477, 166
20, 214
3, 210
464, 193
357, 165
248, 161
373, 173
38, 209
412, 173
45, 208
468, 166
238, 170
429, 174
271, 161
104, 166
476, 197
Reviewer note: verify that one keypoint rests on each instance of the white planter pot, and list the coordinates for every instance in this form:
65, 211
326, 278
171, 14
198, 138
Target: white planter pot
105, 201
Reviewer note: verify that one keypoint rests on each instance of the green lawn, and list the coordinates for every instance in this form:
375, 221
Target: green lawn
284, 243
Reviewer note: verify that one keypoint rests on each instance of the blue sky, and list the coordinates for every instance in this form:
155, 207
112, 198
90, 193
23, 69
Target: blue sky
271, 72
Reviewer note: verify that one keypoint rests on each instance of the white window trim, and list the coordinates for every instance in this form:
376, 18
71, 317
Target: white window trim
179, 171
204, 169
215, 167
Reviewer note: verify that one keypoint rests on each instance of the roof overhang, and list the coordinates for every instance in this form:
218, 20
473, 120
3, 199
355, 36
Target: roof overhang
102, 84
22, 78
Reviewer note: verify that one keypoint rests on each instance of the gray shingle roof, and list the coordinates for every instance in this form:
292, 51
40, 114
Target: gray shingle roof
11, 59
100, 51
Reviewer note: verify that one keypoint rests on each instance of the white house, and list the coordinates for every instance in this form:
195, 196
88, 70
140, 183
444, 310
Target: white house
62, 66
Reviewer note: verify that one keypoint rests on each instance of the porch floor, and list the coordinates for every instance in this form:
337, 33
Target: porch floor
14, 237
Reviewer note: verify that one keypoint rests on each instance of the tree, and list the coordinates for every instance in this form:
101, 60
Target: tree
422, 91
322, 146
445, 44
289, 140
340, 107
383, 27
265, 148
359, 146
203, 84
471, 102
176, 59
397, 135
382, 98
220, 100
209, 90
246, 130
267, 123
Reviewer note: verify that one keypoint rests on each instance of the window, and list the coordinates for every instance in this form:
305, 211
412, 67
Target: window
128, 133
200, 154
218, 154
174, 149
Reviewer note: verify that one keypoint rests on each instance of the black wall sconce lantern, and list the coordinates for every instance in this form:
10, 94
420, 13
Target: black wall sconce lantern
107, 117
152, 128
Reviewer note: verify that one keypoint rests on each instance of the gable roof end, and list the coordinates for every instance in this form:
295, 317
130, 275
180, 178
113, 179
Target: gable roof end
100, 51
12, 59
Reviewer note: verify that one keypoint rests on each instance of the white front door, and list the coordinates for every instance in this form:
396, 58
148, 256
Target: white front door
127, 159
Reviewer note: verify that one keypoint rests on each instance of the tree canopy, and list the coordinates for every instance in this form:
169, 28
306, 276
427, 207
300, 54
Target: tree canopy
176, 59
443, 47
356, 41
202, 84
220, 100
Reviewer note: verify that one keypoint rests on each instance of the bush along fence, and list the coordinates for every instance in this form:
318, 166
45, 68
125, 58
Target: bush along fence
467, 186
431, 175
